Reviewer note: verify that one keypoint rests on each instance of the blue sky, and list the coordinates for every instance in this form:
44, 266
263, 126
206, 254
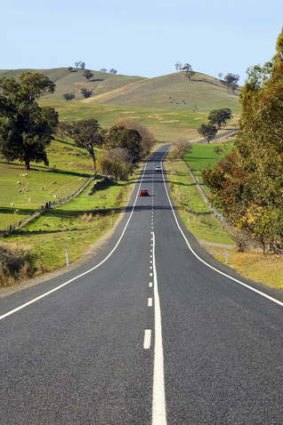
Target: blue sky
140, 37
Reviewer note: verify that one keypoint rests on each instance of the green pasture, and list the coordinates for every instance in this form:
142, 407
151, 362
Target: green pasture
204, 155
23, 191
74, 226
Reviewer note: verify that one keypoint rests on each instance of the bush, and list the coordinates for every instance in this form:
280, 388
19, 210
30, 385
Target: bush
15, 265
69, 96
86, 92
179, 148
88, 74
115, 163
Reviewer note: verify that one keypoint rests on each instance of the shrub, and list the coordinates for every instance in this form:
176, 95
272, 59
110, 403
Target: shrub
115, 163
86, 92
15, 265
69, 96
179, 148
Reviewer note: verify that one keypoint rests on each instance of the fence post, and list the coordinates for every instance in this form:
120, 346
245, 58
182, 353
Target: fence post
67, 257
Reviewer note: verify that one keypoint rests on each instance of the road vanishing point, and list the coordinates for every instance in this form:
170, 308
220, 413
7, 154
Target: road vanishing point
152, 331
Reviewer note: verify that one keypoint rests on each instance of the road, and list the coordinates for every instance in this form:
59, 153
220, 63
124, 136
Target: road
152, 331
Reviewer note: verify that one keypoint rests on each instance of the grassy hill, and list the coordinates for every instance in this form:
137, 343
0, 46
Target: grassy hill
72, 82
173, 91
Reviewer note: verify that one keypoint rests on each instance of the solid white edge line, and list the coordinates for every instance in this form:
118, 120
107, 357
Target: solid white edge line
158, 396
251, 288
46, 294
147, 339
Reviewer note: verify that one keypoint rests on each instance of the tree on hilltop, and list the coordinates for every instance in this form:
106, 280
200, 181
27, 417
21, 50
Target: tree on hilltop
178, 66
187, 68
232, 81
80, 65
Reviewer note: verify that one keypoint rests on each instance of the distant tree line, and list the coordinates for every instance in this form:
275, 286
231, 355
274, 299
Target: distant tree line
110, 71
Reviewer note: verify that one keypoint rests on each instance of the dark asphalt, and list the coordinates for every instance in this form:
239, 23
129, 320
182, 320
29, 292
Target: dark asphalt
77, 357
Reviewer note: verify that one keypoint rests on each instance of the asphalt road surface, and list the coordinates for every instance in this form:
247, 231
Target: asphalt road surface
152, 331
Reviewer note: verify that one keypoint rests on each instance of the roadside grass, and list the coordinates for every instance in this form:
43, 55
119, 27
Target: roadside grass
267, 269
74, 226
195, 213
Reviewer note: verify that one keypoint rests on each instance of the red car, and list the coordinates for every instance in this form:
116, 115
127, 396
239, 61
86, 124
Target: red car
144, 192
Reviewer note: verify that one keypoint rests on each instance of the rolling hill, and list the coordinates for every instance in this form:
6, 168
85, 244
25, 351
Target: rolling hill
72, 82
172, 91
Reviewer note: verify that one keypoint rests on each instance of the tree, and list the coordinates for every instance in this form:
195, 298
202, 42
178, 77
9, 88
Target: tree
113, 71
178, 66
25, 128
258, 75
187, 68
80, 65
248, 184
219, 117
232, 81
147, 136
121, 137
69, 96
116, 163
220, 75
86, 92
88, 74
103, 70
88, 135
208, 131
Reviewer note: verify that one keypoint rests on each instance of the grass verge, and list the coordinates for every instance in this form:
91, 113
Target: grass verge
75, 226
267, 269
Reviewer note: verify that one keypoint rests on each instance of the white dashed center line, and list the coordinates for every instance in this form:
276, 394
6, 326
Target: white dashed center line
147, 339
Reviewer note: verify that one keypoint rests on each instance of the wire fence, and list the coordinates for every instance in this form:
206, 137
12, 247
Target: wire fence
42, 210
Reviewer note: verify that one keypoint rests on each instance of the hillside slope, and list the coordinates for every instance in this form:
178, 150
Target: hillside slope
173, 91
72, 82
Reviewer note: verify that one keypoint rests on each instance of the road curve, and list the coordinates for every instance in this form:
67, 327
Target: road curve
151, 335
